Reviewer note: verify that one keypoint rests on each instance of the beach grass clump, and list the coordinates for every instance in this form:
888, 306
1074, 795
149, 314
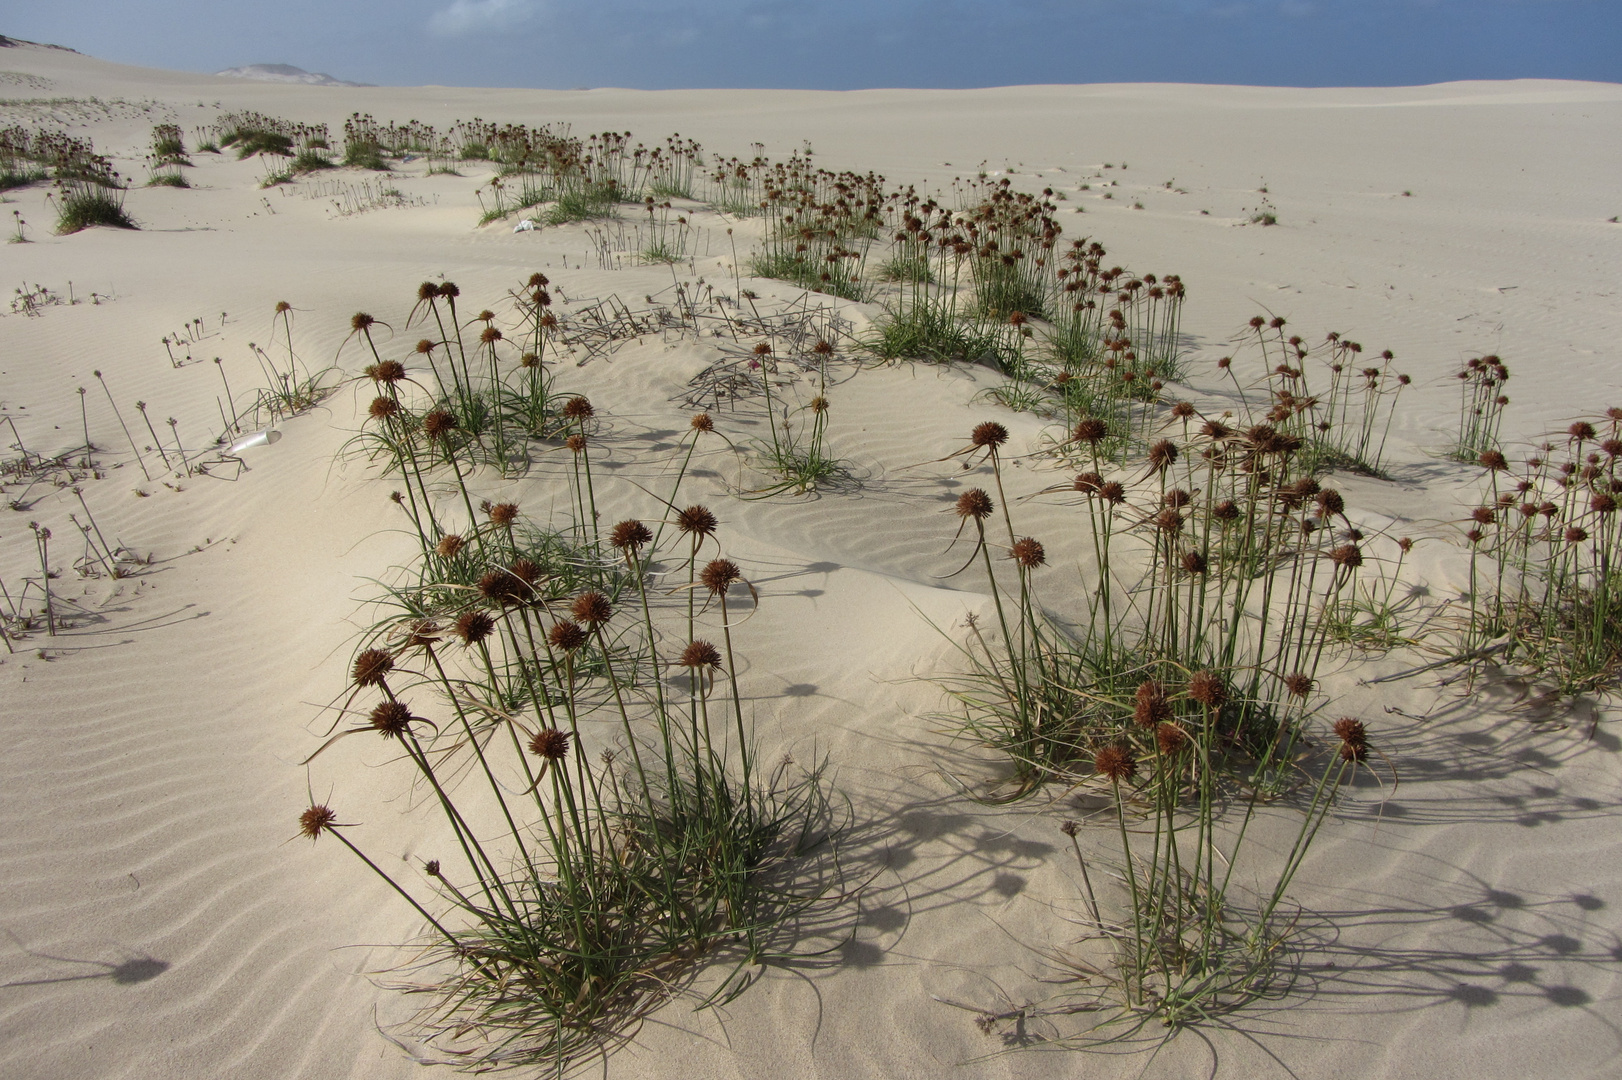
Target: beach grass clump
81, 204
631, 839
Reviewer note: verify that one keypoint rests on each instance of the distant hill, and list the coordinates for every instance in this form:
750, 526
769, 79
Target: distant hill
285, 73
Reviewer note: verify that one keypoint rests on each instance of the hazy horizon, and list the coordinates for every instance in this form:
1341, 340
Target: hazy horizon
840, 45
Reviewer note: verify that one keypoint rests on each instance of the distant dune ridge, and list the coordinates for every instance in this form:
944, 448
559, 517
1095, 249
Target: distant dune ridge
285, 73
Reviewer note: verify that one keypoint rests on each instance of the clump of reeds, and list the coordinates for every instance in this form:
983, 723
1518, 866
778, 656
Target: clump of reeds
613, 867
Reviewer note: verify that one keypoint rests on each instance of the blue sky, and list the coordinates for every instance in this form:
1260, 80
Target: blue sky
844, 44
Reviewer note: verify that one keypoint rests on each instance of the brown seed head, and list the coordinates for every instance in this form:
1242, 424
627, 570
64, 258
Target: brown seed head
1115, 763
425, 346
474, 626
1150, 704
1029, 553
1226, 510
566, 635
283, 305
360, 321
388, 371
372, 667
1494, 460
720, 574
1298, 684
1112, 492
1347, 556
630, 535
989, 434
316, 820
1091, 430
449, 545
974, 503
1330, 502
391, 719
383, 407
504, 514
702, 422
578, 408
438, 424
591, 608
1576, 534
550, 744
1581, 430
1170, 738
576, 443
1604, 504
1161, 455
1207, 688
700, 654
696, 521
1088, 483
1194, 562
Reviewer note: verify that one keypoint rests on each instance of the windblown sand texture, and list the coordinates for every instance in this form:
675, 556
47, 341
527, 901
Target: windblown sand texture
157, 924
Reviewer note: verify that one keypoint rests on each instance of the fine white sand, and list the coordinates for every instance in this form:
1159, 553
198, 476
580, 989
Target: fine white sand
153, 923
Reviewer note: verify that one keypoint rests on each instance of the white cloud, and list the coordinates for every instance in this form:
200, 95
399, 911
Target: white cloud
468, 16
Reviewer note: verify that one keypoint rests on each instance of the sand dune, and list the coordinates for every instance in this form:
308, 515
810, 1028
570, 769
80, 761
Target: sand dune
157, 923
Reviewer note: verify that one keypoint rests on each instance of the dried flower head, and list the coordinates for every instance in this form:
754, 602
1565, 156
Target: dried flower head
988, 435
591, 608
391, 719
1170, 738
550, 744
630, 535
700, 654
503, 587
1194, 562
578, 408
474, 626
720, 574
316, 820
1347, 556
1494, 461
1150, 704
1576, 534
1207, 688
1090, 430
702, 422
566, 635
449, 545
438, 424
576, 443
1115, 763
383, 407
388, 371
1161, 455
974, 503
1028, 553
1112, 492
371, 667
696, 521
503, 514
1088, 483
1299, 684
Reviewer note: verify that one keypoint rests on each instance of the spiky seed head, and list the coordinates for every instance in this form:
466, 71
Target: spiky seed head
1494, 461
1351, 730
1194, 562
1604, 504
449, 545
1483, 515
1161, 455
630, 535
538, 280
702, 422
315, 821
1182, 410
819, 404
1177, 498
700, 654
371, 667
1299, 684
1029, 553
1090, 430
283, 305
438, 424
1576, 534
1088, 483
1216, 429
391, 719
763, 349
696, 521
360, 321
383, 407
1170, 738
489, 335
529, 360
474, 626
576, 443
988, 435
1331, 503
448, 290
591, 608
1207, 688
719, 574
578, 408
503, 514
822, 348
1347, 556
1582, 430
1112, 492
502, 587
974, 503
431, 868
427, 291
387, 371
1226, 510
1070, 828
1115, 763
550, 744
424, 346
566, 635
1150, 704
1169, 521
